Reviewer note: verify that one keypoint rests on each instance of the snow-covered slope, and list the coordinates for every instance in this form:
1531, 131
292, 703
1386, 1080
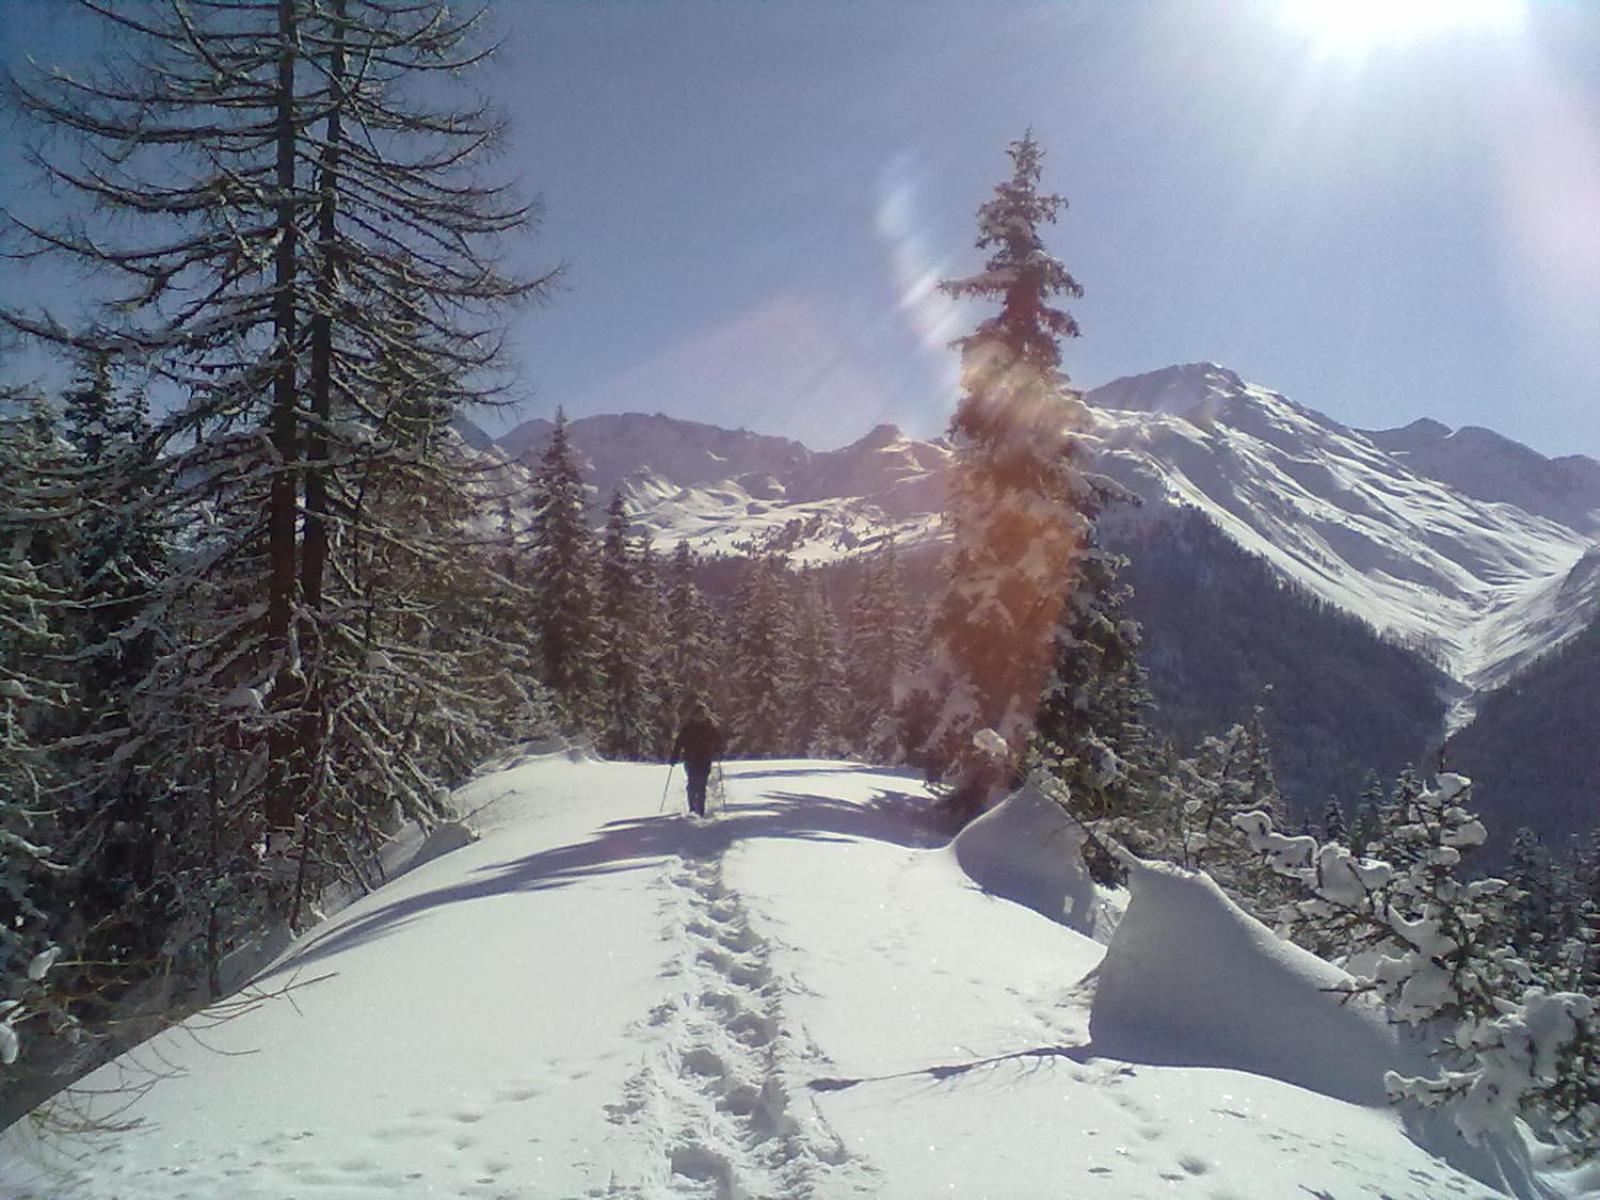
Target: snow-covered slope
801, 998
1465, 545
731, 491
1486, 466
1479, 584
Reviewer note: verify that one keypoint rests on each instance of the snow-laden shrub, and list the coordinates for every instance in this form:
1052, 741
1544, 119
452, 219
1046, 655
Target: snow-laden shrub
1432, 946
29, 999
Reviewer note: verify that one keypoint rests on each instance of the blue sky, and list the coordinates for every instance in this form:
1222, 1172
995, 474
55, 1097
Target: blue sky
1385, 210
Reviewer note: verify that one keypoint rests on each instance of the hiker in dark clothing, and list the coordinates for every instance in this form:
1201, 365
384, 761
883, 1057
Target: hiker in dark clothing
699, 743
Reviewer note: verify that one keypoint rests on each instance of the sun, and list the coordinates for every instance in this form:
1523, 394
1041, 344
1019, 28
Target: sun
1358, 27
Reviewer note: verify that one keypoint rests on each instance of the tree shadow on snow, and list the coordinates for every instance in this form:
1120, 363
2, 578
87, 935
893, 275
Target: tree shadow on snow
1031, 1059
820, 769
642, 842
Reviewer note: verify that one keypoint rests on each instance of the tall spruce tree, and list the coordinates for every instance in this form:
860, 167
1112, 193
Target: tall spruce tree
819, 722
879, 651
562, 569
1090, 730
693, 649
1334, 827
622, 636
659, 716
309, 267
1021, 509
761, 636
1532, 903
117, 836
36, 694
1366, 827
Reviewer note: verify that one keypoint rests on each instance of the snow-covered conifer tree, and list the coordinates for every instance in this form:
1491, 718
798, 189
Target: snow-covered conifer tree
562, 569
310, 266
1581, 956
1228, 775
1090, 729
1433, 947
819, 721
37, 547
761, 635
1366, 827
1021, 508
659, 716
879, 651
1392, 814
1537, 919
692, 634
624, 729
116, 835
1334, 828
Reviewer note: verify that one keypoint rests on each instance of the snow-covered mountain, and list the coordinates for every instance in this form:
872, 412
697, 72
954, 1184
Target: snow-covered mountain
728, 491
1470, 547
598, 999
1478, 582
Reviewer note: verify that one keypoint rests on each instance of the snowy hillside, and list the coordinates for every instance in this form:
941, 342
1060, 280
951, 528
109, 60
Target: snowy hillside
1486, 466
1481, 585
1465, 545
805, 996
730, 491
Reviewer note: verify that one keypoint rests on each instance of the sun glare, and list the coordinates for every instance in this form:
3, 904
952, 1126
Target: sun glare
1359, 26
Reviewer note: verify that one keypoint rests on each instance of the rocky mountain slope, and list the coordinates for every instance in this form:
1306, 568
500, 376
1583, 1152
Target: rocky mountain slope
1476, 582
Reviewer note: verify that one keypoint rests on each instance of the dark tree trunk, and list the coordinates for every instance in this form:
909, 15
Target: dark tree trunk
316, 533
281, 800
314, 551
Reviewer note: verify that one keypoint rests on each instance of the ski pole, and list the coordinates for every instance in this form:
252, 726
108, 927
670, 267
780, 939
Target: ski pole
665, 788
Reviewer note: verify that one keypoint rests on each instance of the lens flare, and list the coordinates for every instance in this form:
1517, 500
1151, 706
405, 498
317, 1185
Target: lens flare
915, 271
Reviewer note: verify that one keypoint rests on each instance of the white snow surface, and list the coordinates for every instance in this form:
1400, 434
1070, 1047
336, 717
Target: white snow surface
803, 997
1026, 851
1181, 924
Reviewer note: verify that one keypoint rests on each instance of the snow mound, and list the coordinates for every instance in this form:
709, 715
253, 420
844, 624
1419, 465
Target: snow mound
1027, 851
1191, 979
441, 840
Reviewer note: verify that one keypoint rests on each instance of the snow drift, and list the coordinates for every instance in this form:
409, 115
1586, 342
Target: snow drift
1027, 851
1192, 979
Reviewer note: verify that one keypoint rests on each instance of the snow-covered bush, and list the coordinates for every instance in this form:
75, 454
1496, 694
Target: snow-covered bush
1226, 776
1432, 946
28, 999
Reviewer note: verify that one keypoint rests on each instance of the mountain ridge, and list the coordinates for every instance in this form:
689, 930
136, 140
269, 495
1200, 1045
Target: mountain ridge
1467, 546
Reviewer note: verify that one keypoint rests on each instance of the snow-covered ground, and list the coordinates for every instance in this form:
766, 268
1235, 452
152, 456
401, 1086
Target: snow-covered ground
804, 997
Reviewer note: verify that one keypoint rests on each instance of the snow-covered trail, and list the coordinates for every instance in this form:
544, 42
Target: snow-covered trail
713, 1099
803, 997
